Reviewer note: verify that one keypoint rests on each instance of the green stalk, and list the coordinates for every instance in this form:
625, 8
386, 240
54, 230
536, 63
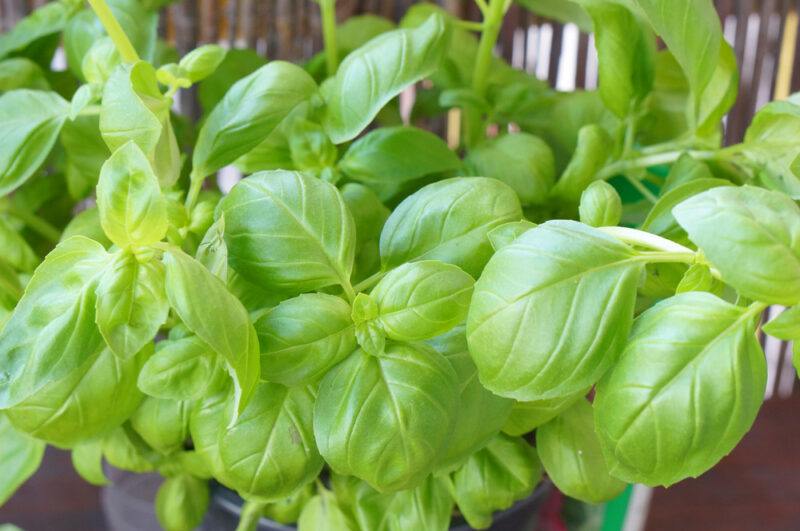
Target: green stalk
328, 9
645, 239
493, 14
37, 224
195, 185
626, 165
115, 31
251, 513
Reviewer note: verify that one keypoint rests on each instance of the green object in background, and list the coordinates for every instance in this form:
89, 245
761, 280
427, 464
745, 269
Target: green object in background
616, 510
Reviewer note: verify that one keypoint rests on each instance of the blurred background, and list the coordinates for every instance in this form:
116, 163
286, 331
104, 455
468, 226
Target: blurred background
756, 487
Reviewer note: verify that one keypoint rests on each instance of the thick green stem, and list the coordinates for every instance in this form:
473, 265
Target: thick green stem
37, 224
115, 31
493, 14
622, 166
369, 281
251, 513
328, 9
195, 185
645, 239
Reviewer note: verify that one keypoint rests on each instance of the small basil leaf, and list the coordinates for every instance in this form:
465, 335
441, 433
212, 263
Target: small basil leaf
693, 363
287, 510
685, 169
87, 459
132, 209
209, 310
323, 513
591, 154
269, 452
20, 456
100, 61
660, 219
202, 62
180, 369
697, 278
527, 416
367, 421
87, 225
181, 502
600, 205
768, 145
30, 121
213, 252
786, 325
375, 73
752, 236
310, 147
123, 448
303, 337
570, 452
20, 72
493, 478
371, 337
85, 152
522, 161
252, 108
131, 305
552, 310
52, 330
162, 423
449, 221
210, 416
422, 299
369, 215
508, 232
15, 250
289, 231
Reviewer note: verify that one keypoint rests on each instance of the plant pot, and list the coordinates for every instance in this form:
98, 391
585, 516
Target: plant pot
128, 505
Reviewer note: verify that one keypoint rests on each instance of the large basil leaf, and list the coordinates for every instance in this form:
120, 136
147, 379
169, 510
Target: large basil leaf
162, 423
180, 369
46, 20
209, 310
250, 110
131, 305
752, 236
30, 121
768, 145
289, 231
480, 413
132, 209
375, 73
64, 412
270, 451
52, 330
684, 392
590, 155
522, 161
552, 310
422, 299
384, 419
572, 456
303, 337
449, 221
390, 156
20, 456
626, 55
181, 502
133, 109
20, 72
527, 416
493, 478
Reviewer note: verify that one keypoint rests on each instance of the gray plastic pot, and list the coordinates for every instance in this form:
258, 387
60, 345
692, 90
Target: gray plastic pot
128, 506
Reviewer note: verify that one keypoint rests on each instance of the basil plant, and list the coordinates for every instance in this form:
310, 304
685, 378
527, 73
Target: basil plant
372, 328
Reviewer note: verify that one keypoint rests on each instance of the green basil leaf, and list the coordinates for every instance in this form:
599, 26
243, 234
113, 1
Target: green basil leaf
87, 224
768, 145
684, 170
527, 416
19, 73
493, 478
133, 109
52, 329
209, 310
210, 416
287, 510
522, 161
720, 94
303, 337
506, 233
422, 299
697, 278
552, 310
322, 513
213, 252
30, 121
310, 148
58, 412
46, 20
269, 452
660, 219
600, 205
180, 369
15, 250
86, 152
752, 236
480, 413
626, 50
693, 363
162, 423
590, 155
358, 30
390, 156
252, 108
786, 325
565, 11
375, 73
87, 459
131, 305
369, 215
123, 448
20, 457
571, 454
100, 61
181, 502
449, 221
367, 422
237, 64
289, 231
202, 62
